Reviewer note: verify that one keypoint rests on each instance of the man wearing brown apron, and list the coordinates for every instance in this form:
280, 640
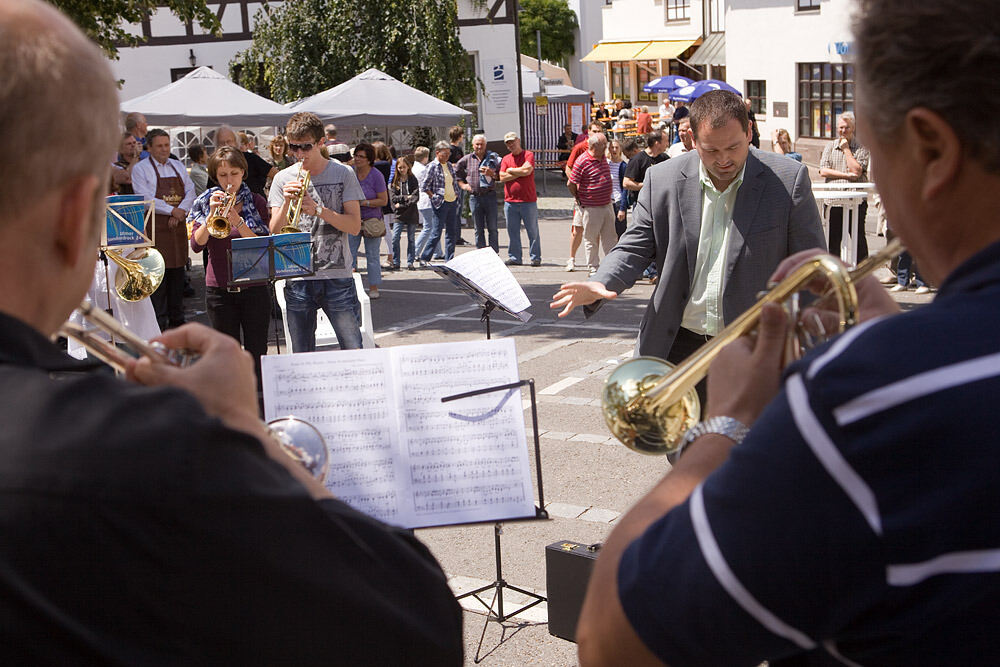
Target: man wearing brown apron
165, 181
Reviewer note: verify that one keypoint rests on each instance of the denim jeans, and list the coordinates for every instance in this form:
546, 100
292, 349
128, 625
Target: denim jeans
484, 214
516, 213
372, 245
446, 220
337, 298
905, 268
397, 231
428, 221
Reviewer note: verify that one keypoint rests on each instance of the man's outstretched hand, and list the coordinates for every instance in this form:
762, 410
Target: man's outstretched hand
571, 295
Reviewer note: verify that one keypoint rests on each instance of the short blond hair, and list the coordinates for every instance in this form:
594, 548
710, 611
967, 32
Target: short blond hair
47, 62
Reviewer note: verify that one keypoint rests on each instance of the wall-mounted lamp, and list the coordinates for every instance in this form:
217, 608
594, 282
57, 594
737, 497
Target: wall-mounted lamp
191, 58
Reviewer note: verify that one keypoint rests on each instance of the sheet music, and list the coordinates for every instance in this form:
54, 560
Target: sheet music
396, 451
487, 271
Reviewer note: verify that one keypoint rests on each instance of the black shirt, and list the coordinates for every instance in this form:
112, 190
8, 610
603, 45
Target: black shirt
456, 154
257, 170
136, 530
636, 169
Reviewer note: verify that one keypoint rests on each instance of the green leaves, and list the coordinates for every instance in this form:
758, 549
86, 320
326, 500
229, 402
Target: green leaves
102, 20
558, 24
303, 47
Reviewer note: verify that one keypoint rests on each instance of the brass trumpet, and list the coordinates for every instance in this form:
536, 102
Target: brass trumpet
296, 208
649, 404
139, 274
297, 438
218, 224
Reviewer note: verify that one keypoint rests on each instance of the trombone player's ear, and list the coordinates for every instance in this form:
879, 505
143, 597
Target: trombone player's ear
75, 213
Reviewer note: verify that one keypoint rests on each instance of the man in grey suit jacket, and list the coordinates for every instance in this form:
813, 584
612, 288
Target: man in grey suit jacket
717, 221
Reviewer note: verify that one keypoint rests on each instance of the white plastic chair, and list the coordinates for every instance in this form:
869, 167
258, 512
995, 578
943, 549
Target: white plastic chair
325, 334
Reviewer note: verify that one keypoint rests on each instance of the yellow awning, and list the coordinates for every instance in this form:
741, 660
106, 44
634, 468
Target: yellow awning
664, 50
614, 51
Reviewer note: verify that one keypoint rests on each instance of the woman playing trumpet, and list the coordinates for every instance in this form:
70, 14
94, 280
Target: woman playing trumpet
232, 310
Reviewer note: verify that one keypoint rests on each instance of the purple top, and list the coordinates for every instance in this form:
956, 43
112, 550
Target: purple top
372, 184
217, 269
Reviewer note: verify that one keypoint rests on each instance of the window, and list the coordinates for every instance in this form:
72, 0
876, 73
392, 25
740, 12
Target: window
757, 94
807, 5
826, 90
621, 81
645, 72
717, 15
719, 72
677, 10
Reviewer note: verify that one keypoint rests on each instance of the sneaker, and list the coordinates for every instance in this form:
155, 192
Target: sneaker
512, 262
536, 262
410, 267
373, 292
897, 288
571, 264
591, 271
923, 289
461, 241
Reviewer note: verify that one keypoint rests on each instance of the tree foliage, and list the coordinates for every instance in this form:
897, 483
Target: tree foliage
558, 25
104, 20
301, 48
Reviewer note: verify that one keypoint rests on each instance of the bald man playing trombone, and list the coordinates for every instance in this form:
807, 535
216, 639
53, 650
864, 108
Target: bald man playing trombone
155, 521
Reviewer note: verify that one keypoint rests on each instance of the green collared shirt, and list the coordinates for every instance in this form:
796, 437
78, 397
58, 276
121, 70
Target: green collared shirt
703, 313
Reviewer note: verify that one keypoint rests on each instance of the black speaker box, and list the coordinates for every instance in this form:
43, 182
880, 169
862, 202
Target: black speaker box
567, 571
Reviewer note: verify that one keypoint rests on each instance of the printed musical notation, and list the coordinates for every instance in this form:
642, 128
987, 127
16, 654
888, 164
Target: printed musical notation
483, 271
396, 451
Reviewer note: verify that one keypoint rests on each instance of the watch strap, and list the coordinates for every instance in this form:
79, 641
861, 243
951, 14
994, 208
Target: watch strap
731, 428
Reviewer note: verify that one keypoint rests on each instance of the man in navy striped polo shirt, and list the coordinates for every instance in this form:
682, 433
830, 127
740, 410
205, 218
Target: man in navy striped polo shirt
590, 185
856, 522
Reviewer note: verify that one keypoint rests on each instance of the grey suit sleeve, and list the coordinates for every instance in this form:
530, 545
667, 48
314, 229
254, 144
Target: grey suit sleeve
805, 227
635, 250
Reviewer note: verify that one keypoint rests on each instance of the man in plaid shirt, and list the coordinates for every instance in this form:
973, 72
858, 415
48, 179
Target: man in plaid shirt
845, 161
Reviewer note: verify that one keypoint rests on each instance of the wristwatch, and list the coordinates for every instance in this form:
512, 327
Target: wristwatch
733, 429
319, 210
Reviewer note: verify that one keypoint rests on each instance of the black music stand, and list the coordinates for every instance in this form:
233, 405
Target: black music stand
263, 260
499, 584
488, 304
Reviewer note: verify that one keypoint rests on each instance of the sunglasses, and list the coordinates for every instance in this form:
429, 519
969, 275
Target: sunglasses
300, 147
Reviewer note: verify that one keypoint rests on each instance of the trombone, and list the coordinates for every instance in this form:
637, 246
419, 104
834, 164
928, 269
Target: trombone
649, 404
296, 208
297, 438
218, 224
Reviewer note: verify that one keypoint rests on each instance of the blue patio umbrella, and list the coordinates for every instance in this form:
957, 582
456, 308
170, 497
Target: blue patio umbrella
667, 84
699, 88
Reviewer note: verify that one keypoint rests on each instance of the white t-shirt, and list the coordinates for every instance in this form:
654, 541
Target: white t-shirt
331, 187
419, 169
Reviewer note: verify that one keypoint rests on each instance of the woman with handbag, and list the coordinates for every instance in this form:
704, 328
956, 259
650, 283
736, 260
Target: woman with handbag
372, 225
404, 193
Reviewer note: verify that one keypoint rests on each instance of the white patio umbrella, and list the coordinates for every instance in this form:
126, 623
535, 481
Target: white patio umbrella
205, 97
375, 99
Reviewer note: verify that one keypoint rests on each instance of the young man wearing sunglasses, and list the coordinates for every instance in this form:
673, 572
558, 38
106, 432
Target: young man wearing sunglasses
331, 210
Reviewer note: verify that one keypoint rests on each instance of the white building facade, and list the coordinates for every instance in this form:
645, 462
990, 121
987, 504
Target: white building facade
173, 48
791, 58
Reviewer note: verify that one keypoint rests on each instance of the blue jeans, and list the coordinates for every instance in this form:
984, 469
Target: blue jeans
337, 298
516, 213
446, 219
397, 231
372, 246
905, 268
484, 214
428, 220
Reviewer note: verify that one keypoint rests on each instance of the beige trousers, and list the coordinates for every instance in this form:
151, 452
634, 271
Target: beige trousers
598, 225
